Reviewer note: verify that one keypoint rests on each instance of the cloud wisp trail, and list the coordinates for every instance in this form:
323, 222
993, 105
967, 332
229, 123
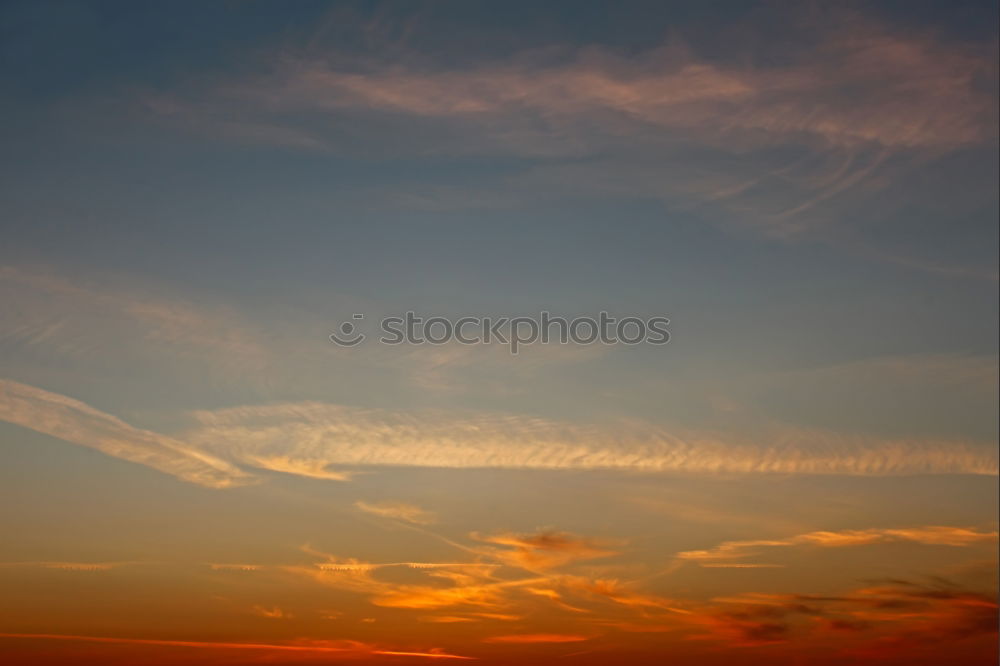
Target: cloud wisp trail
79, 423
319, 435
315, 439
933, 535
348, 649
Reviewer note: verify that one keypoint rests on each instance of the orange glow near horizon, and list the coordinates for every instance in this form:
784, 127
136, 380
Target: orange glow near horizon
512, 333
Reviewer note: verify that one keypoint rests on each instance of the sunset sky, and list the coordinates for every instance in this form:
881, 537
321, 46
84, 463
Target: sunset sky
195, 195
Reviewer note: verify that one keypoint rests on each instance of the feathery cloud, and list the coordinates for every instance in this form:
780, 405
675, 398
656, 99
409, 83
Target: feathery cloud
330, 649
312, 439
543, 550
930, 535
78, 423
863, 106
398, 511
78, 318
536, 638
322, 436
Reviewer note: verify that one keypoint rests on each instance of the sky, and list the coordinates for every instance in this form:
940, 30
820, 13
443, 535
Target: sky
196, 195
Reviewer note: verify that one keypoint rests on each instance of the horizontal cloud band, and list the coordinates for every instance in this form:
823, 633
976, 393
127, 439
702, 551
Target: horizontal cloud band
307, 439
76, 422
316, 435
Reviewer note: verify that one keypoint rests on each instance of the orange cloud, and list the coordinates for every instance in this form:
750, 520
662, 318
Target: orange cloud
537, 638
309, 439
73, 421
624, 594
896, 618
930, 535
235, 567
71, 566
325, 435
465, 584
397, 510
311, 469
349, 649
541, 551
273, 613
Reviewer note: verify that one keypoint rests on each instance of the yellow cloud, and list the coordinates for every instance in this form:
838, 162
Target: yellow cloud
397, 510
541, 551
79, 423
323, 435
930, 535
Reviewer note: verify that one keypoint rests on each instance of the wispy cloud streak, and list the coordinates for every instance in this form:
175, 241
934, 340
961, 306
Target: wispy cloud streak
930, 535
323, 434
79, 423
78, 318
398, 511
314, 439
349, 649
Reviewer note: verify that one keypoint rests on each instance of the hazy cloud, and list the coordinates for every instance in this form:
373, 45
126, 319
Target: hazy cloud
319, 435
858, 106
931, 535
543, 550
81, 318
312, 439
78, 423
536, 638
397, 510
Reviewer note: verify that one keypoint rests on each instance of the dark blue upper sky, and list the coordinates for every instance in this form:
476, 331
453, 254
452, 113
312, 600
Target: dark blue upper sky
794, 188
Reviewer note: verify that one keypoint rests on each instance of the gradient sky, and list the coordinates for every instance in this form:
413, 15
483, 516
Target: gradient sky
195, 195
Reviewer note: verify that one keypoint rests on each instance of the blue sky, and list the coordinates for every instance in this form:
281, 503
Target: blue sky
195, 195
